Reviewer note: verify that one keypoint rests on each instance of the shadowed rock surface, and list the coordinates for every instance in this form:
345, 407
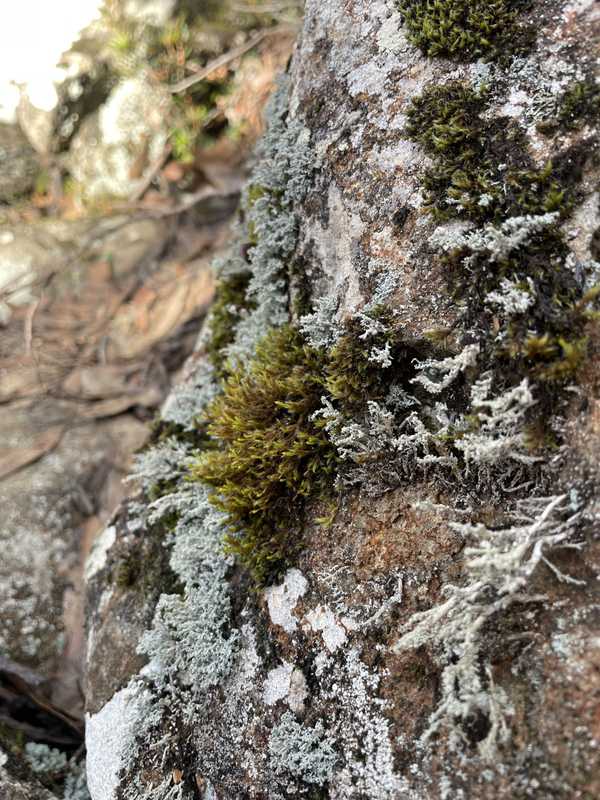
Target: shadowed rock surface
419, 618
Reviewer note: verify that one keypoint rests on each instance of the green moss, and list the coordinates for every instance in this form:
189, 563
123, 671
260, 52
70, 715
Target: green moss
580, 104
552, 358
482, 173
144, 566
272, 455
482, 170
126, 572
352, 378
161, 430
467, 30
230, 303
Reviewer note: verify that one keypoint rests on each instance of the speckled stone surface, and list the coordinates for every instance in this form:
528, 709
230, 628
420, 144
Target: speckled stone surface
312, 697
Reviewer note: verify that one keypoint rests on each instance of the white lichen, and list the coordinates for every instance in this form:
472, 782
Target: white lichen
282, 599
303, 752
511, 298
498, 566
499, 439
436, 375
286, 682
110, 738
322, 329
497, 242
362, 734
322, 619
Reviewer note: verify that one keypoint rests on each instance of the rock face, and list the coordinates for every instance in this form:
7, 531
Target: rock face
392, 424
115, 148
18, 164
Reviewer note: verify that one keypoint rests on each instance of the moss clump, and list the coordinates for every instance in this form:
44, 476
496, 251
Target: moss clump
553, 359
467, 30
580, 104
482, 173
270, 454
353, 376
229, 305
482, 170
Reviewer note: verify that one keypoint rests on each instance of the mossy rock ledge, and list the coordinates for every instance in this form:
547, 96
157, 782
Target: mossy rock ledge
362, 559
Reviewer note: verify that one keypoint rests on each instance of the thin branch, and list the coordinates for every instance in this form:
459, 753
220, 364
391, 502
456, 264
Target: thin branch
28, 332
152, 173
226, 58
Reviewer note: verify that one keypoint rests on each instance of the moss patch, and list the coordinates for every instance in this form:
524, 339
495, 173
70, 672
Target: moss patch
352, 375
482, 170
271, 454
467, 30
229, 304
578, 105
482, 173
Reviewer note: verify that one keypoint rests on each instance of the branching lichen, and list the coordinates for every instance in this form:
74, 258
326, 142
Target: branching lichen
499, 436
499, 565
161, 464
66, 777
436, 375
280, 180
305, 753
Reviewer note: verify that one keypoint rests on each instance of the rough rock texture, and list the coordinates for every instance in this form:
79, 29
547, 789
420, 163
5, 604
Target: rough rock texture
428, 626
18, 164
115, 148
17, 786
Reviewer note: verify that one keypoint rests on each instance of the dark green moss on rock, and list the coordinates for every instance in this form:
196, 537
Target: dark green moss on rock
577, 106
230, 303
467, 30
482, 170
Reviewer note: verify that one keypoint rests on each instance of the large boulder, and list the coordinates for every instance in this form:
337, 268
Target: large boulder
365, 535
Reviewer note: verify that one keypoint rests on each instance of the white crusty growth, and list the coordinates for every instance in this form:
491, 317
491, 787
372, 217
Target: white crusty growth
498, 567
438, 374
496, 241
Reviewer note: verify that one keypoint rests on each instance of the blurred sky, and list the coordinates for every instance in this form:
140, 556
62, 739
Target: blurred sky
33, 34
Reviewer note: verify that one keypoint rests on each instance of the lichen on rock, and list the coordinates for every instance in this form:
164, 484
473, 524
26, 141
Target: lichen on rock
395, 434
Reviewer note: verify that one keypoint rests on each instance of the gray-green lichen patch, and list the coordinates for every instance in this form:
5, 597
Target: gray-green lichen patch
304, 753
66, 776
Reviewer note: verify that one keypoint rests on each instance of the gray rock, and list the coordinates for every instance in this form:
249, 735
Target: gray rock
27, 256
440, 638
82, 83
117, 146
19, 166
44, 504
156, 12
